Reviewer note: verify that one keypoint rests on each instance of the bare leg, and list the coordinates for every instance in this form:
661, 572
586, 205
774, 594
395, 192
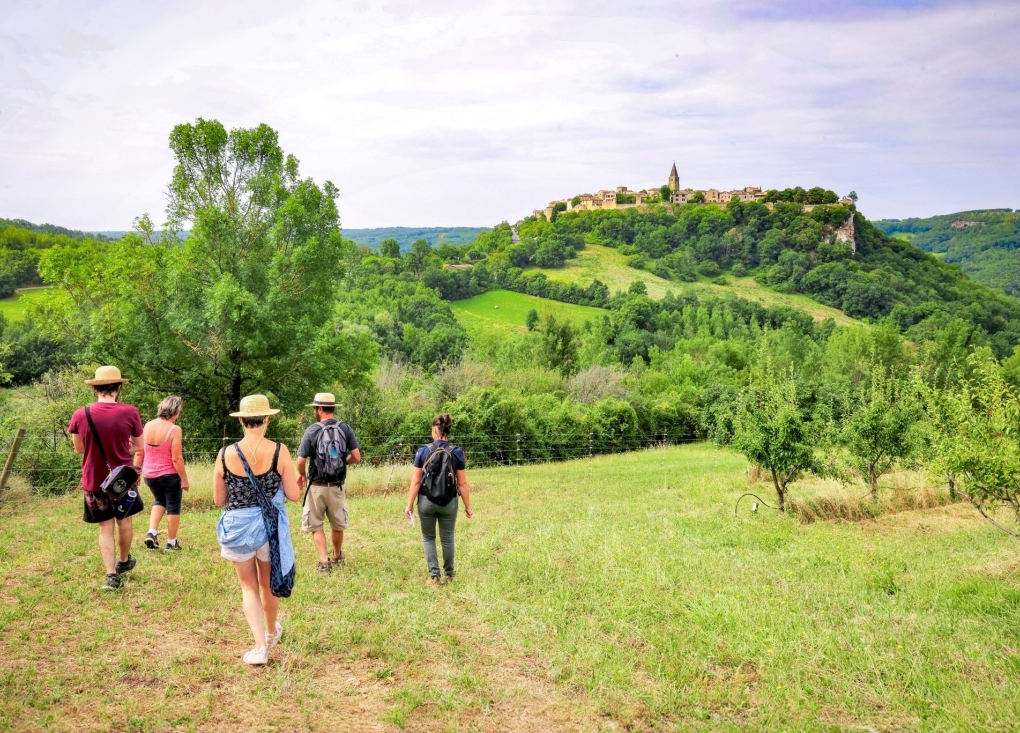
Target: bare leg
251, 602
319, 538
155, 517
125, 531
173, 521
270, 603
106, 546
338, 543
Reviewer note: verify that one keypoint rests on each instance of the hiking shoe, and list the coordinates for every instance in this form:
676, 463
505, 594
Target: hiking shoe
174, 547
338, 561
152, 541
272, 639
129, 564
257, 656
325, 567
447, 579
432, 581
112, 582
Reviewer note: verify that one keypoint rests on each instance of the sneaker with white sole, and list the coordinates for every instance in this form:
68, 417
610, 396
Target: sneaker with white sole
257, 656
152, 541
273, 639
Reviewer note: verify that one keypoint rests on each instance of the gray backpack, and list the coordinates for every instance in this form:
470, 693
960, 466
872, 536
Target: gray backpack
329, 463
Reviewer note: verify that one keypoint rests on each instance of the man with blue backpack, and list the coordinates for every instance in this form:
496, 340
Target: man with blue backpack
326, 449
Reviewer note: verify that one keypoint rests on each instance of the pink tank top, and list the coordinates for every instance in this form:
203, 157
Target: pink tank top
158, 460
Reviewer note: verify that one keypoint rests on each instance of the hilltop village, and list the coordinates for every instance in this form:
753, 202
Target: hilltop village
624, 198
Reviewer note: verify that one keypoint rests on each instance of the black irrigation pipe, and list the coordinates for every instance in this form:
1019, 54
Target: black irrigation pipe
755, 507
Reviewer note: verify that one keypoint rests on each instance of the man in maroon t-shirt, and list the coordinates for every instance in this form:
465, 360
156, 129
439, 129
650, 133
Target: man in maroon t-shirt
120, 429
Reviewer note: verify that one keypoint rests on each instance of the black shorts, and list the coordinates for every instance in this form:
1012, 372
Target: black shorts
99, 508
166, 492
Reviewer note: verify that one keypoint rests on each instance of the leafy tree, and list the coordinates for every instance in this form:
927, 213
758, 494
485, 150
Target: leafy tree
244, 304
977, 439
389, 248
665, 192
531, 321
770, 429
559, 346
852, 196
877, 430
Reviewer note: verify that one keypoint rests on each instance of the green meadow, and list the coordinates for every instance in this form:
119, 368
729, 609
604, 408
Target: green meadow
619, 594
15, 307
503, 309
609, 266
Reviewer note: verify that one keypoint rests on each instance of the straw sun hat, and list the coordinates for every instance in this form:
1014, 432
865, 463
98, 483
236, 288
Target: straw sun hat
106, 375
254, 405
323, 399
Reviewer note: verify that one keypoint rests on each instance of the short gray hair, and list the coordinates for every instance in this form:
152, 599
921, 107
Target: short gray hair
169, 407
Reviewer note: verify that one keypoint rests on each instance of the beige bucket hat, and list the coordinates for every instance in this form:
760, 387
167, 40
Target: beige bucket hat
106, 375
254, 405
323, 399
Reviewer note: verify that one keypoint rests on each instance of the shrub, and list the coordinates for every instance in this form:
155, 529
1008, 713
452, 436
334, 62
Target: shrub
709, 268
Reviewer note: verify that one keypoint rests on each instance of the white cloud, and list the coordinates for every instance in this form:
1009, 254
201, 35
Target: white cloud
479, 112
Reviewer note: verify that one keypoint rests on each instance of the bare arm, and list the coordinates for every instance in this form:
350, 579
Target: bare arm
465, 492
412, 493
289, 474
137, 443
219, 484
177, 456
301, 472
354, 457
79, 444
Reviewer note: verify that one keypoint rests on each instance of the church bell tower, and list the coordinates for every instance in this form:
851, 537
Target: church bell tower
674, 179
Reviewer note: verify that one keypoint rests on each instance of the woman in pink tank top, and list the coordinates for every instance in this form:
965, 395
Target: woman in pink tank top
162, 462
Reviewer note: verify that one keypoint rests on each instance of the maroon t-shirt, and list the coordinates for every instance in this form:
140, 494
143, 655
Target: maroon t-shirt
117, 424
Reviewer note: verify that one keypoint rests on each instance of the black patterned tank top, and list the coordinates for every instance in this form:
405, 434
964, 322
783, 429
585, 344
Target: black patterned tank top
240, 493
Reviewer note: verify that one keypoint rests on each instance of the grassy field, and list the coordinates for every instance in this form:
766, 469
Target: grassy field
506, 309
620, 594
609, 266
14, 308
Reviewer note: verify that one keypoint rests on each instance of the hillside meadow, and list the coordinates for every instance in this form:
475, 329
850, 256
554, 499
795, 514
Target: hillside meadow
16, 307
507, 309
596, 262
615, 594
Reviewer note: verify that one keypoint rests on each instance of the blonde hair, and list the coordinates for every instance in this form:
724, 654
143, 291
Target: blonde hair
169, 407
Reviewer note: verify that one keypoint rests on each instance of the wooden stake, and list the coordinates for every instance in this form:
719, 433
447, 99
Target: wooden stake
9, 465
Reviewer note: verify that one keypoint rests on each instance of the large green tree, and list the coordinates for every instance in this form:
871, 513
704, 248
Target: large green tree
244, 304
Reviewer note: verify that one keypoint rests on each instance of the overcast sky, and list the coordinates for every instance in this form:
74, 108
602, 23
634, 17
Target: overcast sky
472, 113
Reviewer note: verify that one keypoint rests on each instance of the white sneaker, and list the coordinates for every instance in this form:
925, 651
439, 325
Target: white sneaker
257, 656
272, 639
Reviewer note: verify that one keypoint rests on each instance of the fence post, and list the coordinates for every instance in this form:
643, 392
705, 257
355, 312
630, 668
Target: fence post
9, 465
518, 460
665, 480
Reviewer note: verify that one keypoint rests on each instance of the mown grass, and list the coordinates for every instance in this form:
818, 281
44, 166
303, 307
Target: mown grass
15, 307
616, 594
609, 266
502, 309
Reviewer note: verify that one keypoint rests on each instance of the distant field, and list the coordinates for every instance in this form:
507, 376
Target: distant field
13, 309
506, 309
609, 266
435, 236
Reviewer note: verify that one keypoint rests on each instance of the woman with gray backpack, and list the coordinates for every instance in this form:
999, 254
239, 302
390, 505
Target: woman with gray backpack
439, 478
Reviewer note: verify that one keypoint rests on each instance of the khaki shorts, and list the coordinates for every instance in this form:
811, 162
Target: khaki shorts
328, 501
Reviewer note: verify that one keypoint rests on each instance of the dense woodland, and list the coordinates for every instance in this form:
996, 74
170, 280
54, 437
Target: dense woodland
267, 296
986, 244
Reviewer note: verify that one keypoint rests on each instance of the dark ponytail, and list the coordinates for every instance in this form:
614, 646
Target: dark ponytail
444, 423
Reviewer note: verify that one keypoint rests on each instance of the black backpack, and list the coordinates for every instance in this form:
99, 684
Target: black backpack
329, 462
438, 476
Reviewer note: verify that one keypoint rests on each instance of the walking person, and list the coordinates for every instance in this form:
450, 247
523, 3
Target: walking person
162, 464
327, 448
107, 434
439, 477
250, 480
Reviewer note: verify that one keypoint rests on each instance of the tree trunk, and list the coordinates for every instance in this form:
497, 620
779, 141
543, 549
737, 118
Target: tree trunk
780, 491
952, 487
234, 387
872, 481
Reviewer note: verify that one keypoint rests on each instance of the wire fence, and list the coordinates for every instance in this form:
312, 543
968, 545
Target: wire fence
48, 463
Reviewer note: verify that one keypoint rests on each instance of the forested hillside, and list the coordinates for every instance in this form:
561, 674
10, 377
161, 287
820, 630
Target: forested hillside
985, 243
404, 236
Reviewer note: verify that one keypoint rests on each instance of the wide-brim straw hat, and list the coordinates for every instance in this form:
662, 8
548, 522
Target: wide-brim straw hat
254, 405
323, 399
106, 375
